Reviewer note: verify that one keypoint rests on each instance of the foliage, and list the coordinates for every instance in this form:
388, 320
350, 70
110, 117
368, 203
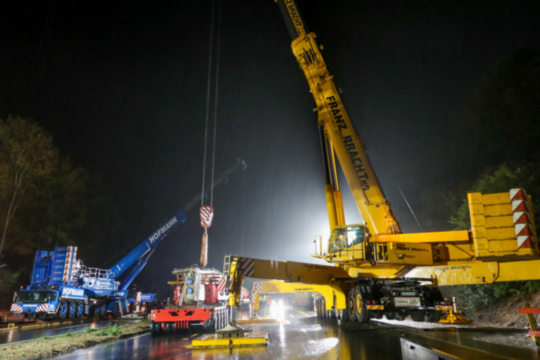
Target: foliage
29, 154
8, 286
110, 330
502, 179
476, 297
57, 203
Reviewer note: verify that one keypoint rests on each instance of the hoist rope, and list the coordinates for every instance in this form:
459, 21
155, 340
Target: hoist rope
216, 103
208, 100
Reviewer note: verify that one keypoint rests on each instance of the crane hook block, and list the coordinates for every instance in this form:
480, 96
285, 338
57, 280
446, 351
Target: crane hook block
207, 214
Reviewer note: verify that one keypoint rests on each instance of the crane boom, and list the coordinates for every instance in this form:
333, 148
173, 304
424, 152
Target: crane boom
338, 134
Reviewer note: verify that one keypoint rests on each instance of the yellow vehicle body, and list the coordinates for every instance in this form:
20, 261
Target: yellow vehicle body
500, 246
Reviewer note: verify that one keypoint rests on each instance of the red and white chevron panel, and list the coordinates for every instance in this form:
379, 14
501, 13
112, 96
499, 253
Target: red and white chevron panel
70, 259
207, 214
257, 288
522, 219
221, 285
43, 307
16, 308
246, 266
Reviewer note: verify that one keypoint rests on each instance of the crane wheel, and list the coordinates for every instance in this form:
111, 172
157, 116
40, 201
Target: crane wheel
401, 315
170, 327
80, 309
417, 315
433, 316
362, 315
350, 305
63, 309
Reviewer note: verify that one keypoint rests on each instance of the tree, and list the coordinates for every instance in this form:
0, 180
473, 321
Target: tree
29, 154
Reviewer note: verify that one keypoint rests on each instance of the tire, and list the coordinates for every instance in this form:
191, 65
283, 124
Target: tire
97, 314
103, 310
72, 309
344, 315
63, 309
377, 314
401, 315
338, 314
417, 315
115, 310
390, 315
80, 310
170, 328
153, 328
209, 326
350, 305
362, 315
433, 316
42, 316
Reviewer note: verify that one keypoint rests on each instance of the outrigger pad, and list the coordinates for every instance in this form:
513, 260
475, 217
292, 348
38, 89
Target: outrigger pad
231, 336
213, 341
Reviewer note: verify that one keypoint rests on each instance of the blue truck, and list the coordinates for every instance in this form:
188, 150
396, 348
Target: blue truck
62, 286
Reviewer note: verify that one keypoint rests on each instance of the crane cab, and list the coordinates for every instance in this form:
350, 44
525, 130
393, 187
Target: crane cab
348, 243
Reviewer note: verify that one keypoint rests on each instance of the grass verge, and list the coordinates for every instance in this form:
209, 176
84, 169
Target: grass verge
47, 347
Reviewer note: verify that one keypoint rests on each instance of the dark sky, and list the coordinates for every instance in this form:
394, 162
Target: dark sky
122, 87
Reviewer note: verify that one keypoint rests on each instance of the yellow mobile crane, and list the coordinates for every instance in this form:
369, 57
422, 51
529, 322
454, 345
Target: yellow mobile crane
378, 270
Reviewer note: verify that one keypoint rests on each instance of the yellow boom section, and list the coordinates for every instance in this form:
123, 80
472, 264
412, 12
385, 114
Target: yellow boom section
349, 148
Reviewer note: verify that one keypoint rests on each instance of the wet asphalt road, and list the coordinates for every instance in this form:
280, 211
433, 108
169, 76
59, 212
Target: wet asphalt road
303, 336
16, 335
306, 337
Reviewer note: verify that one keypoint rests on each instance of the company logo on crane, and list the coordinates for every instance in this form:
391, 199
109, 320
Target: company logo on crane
162, 230
295, 16
349, 143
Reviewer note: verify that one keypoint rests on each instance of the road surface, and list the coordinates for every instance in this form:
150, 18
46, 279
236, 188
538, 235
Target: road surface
304, 336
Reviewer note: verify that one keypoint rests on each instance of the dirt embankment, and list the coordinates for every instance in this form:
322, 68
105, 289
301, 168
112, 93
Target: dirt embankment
506, 313
62, 344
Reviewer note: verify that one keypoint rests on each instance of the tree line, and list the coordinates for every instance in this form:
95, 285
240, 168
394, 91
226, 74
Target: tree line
45, 201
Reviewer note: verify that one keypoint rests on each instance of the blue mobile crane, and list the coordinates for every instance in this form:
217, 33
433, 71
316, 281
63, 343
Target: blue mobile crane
63, 286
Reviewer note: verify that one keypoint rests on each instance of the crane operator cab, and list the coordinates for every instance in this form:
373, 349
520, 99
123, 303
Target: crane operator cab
347, 243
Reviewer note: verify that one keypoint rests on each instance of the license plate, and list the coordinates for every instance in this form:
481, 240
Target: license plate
407, 301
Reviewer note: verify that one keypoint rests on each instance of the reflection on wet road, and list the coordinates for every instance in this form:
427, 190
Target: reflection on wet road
304, 337
307, 337
23, 335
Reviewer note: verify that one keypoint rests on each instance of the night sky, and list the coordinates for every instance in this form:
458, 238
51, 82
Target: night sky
122, 88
